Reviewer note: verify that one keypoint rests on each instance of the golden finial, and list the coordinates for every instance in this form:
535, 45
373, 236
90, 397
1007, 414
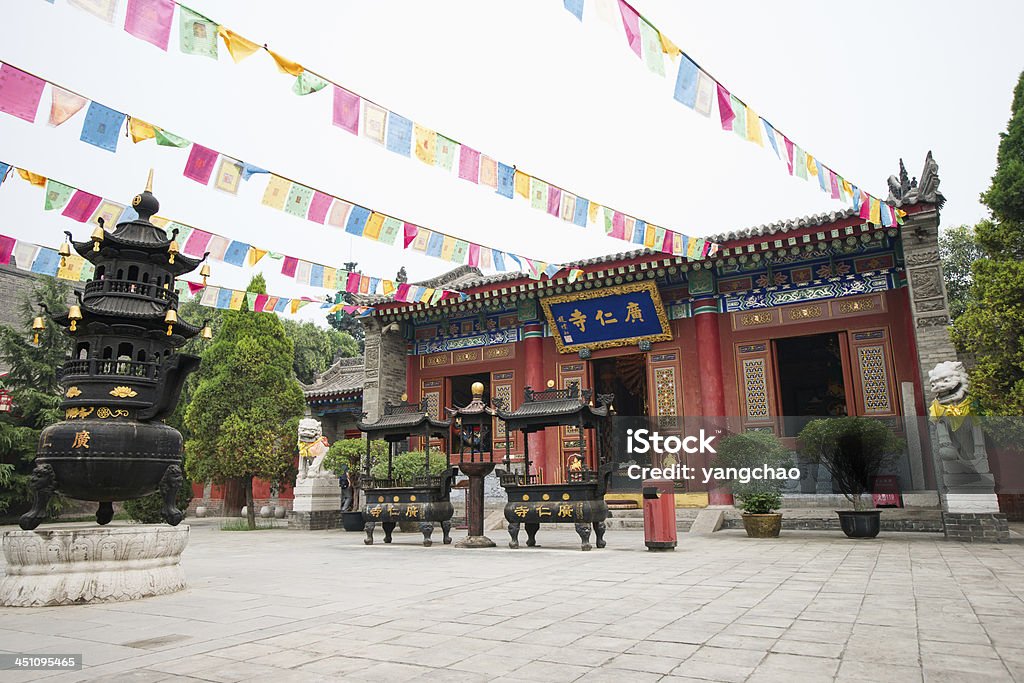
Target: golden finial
551, 383
149, 181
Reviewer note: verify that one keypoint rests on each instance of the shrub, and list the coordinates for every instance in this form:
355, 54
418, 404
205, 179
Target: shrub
147, 509
749, 450
763, 503
408, 465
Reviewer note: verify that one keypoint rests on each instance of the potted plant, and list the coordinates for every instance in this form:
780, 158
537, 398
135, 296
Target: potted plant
404, 468
759, 498
854, 450
346, 458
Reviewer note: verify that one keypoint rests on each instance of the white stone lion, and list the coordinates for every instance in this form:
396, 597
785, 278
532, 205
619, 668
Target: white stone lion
960, 438
313, 448
949, 382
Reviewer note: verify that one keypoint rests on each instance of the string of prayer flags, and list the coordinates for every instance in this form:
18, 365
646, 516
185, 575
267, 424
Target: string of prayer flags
238, 46
150, 20
101, 9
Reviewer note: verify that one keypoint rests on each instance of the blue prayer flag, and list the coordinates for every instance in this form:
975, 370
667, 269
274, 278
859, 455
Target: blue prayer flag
516, 259
316, 275
236, 253
374, 282
129, 214
4, 168
434, 244
102, 127
887, 221
47, 261
579, 217
771, 137
248, 170
551, 270
686, 82
281, 305
399, 134
499, 260
639, 231
574, 6
856, 198
821, 177
224, 298
506, 179
357, 218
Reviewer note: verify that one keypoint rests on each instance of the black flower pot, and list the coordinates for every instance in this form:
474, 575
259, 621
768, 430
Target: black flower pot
352, 521
860, 523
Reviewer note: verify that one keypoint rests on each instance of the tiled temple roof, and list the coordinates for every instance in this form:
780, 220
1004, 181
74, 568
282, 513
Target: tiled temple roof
347, 375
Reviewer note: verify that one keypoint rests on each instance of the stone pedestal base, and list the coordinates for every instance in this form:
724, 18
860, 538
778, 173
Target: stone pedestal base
317, 493
971, 501
55, 566
984, 527
314, 521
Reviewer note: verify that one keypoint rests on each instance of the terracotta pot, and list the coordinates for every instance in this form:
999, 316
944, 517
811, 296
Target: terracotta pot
762, 526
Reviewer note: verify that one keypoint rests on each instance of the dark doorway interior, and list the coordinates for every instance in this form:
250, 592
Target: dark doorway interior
810, 379
462, 395
626, 377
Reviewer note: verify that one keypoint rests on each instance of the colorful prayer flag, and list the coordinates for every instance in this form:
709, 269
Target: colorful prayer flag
47, 261
505, 180
229, 176
248, 170
168, 139
582, 209
488, 171
319, 207
277, 192
20, 93
399, 134
373, 226
574, 6
198, 35
346, 110
833, 184
150, 20
307, 83
289, 266
725, 108
199, 166
57, 195
4, 169
374, 118
554, 200
238, 46
196, 243
390, 229
285, 65
668, 47
338, 217
64, 105
102, 126
469, 164
651, 40
426, 144
102, 9
33, 178
299, 197
686, 82
218, 246
139, 130
237, 253
754, 127
875, 216
631, 22
538, 194
357, 220
739, 123
445, 153
522, 184
81, 206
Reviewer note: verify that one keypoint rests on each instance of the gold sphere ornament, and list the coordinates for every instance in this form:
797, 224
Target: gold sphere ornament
477, 389
551, 384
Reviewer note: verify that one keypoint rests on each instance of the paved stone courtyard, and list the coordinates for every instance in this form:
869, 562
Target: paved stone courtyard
283, 606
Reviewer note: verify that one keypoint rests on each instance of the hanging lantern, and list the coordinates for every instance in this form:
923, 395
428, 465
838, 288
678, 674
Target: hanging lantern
74, 315
65, 251
170, 318
205, 272
37, 326
97, 236
172, 249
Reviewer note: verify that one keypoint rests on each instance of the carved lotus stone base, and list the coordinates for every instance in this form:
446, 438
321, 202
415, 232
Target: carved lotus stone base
62, 566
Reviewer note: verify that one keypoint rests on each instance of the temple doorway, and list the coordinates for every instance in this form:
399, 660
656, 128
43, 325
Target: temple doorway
460, 391
811, 379
626, 377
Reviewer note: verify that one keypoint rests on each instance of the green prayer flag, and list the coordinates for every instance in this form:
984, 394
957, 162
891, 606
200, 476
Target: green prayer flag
739, 123
444, 156
57, 195
250, 300
651, 41
88, 270
460, 252
800, 161
167, 139
390, 229
538, 194
198, 34
274, 255
307, 83
607, 221
298, 200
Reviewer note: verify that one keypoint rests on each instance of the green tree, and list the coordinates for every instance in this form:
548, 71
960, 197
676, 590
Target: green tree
244, 411
992, 327
32, 381
958, 250
317, 347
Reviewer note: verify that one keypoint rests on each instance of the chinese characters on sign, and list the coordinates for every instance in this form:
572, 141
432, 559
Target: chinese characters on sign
610, 316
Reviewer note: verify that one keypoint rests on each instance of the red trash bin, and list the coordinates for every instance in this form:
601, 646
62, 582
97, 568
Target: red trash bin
659, 514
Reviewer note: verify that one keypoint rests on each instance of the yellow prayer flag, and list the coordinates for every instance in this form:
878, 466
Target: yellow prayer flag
649, 236
330, 278
34, 178
876, 211
677, 244
420, 241
238, 46
277, 192
668, 47
847, 188
901, 213
812, 168
427, 293
237, 298
159, 221
285, 65
754, 127
71, 267
426, 144
373, 226
522, 184
388, 286
592, 211
254, 255
140, 130
447, 248
295, 305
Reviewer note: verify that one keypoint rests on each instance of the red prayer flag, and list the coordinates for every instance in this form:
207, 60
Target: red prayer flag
865, 205
554, 200
319, 206
197, 242
410, 234
631, 21
6, 249
352, 283
666, 246
346, 110
474, 255
725, 107
150, 20
260, 303
20, 93
194, 287
81, 206
289, 266
200, 164
469, 164
402, 292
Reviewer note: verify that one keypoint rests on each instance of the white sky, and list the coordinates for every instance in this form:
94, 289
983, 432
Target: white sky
857, 85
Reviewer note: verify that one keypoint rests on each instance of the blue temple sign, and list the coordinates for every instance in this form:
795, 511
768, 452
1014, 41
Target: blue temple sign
606, 317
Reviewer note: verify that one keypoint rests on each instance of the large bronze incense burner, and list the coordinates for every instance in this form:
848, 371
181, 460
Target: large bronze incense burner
124, 375
579, 498
471, 425
423, 499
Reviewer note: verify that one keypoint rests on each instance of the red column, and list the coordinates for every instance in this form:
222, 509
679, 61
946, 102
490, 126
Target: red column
709, 350
533, 347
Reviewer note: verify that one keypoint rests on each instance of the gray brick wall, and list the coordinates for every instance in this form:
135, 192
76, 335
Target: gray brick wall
15, 285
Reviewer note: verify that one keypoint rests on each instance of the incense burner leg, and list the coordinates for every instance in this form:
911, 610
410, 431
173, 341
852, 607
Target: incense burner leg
513, 531
169, 485
584, 531
599, 528
370, 526
388, 528
43, 482
446, 529
531, 534
104, 513
427, 528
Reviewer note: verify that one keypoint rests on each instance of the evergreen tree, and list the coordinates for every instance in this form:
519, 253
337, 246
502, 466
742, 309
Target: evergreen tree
992, 327
317, 348
958, 250
32, 381
243, 415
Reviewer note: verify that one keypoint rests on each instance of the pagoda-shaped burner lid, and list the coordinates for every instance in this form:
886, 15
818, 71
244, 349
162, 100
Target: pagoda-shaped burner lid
475, 407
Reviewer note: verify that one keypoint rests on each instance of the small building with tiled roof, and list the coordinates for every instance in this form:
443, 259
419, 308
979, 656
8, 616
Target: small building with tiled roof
335, 397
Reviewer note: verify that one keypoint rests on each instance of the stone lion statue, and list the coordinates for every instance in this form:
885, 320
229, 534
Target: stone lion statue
960, 438
313, 448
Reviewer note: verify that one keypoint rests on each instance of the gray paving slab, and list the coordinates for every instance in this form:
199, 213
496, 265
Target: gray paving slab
320, 606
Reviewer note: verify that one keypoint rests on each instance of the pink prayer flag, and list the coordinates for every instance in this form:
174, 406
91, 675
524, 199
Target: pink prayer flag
474, 255
346, 110
6, 249
834, 182
865, 205
554, 200
402, 293
194, 287
618, 225
631, 21
20, 93
64, 105
410, 234
789, 153
319, 206
666, 245
352, 283
150, 20
725, 107
197, 242
469, 164
260, 303
200, 164
81, 206
289, 266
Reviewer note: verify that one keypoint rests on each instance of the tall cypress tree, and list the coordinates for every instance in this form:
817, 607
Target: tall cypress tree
992, 327
244, 413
